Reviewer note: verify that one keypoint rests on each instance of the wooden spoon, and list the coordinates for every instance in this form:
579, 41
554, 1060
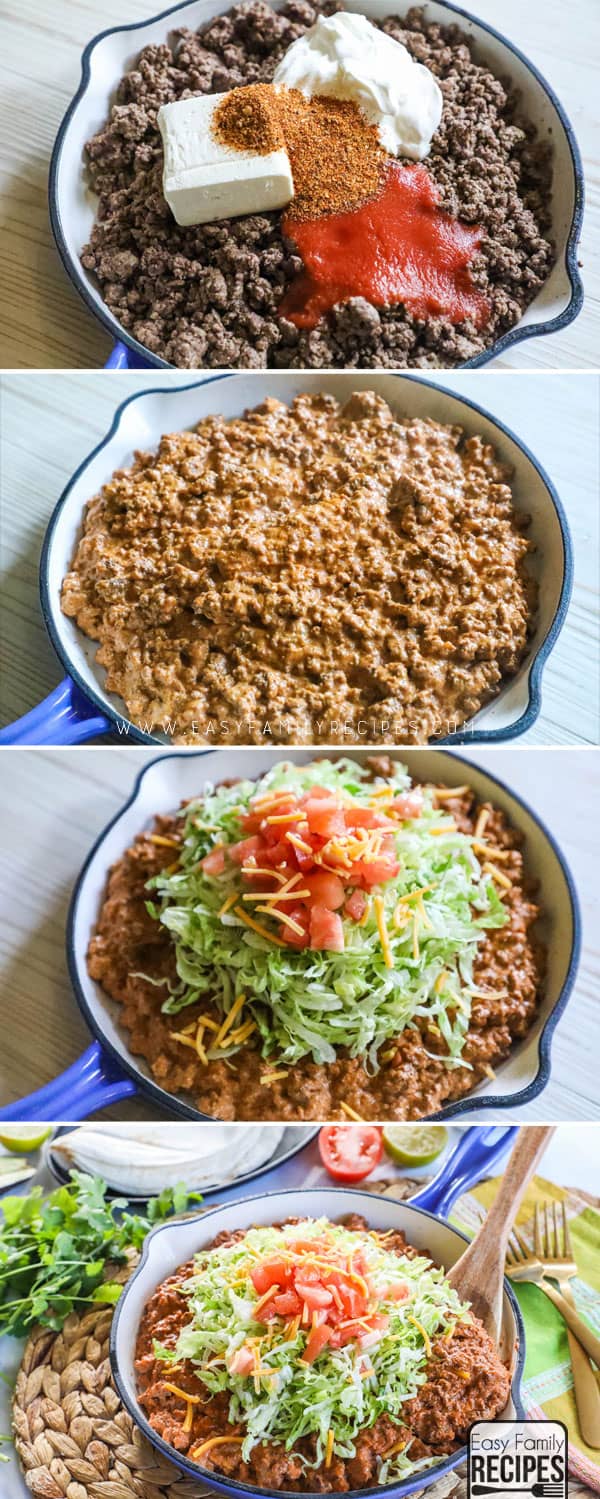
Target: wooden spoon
478, 1275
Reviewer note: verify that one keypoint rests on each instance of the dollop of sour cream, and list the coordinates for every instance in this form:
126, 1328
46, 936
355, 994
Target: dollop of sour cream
344, 56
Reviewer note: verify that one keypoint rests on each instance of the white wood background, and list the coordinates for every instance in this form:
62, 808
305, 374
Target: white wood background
54, 804
557, 415
43, 324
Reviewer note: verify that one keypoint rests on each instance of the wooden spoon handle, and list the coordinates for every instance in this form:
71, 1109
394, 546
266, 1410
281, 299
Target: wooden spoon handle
478, 1275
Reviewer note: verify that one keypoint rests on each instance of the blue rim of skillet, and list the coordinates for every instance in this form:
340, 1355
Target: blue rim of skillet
506, 341
465, 736
232, 1485
467, 1105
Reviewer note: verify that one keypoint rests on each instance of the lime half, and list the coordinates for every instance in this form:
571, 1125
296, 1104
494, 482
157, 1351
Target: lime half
19, 1138
415, 1144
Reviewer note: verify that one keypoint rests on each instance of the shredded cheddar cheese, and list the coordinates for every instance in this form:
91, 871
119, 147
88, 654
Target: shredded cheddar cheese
214, 1442
388, 956
235, 1010
227, 904
424, 1334
351, 1113
256, 927
497, 875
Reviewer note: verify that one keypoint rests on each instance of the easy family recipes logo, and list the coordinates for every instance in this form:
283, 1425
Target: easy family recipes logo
518, 1457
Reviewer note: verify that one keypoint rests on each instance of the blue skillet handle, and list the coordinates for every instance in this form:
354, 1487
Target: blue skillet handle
122, 358
479, 1149
65, 717
92, 1082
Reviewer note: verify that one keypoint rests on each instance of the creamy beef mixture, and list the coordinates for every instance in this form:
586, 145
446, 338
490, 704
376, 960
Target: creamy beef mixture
307, 574
414, 1079
210, 295
466, 1381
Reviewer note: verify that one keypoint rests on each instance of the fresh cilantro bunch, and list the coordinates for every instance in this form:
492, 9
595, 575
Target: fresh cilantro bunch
54, 1249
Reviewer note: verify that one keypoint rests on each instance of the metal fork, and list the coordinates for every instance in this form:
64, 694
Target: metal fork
553, 1257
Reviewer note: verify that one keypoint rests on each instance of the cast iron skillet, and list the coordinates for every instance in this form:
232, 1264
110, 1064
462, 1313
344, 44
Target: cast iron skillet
108, 1072
80, 707
424, 1222
72, 208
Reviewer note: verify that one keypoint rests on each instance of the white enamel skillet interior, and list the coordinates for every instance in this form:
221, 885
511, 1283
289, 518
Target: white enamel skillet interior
171, 1245
174, 777
142, 420
73, 206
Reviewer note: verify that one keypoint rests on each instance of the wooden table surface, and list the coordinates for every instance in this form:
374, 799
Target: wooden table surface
43, 323
556, 415
57, 802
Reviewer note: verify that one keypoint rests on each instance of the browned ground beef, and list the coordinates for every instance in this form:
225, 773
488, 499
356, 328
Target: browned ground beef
208, 295
466, 1381
312, 573
413, 1082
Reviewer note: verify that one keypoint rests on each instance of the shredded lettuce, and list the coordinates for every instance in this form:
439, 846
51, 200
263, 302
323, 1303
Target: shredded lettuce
312, 1003
345, 1390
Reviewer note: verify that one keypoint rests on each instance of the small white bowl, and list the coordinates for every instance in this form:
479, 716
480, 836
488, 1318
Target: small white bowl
109, 55
140, 422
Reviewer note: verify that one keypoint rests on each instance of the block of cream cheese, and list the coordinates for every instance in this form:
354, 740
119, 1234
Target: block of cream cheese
204, 180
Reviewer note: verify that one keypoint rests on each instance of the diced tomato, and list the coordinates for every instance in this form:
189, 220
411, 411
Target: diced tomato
304, 861
250, 822
315, 1296
325, 889
409, 804
399, 1290
280, 855
269, 1273
247, 848
324, 815
241, 1361
308, 1246
318, 1340
300, 915
326, 930
356, 905
367, 817
371, 872
350, 1152
288, 1304
214, 863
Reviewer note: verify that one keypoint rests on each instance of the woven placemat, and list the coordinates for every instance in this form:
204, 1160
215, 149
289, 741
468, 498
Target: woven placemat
73, 1437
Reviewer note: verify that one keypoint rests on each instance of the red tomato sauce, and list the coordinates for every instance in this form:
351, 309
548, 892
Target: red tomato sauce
398, 247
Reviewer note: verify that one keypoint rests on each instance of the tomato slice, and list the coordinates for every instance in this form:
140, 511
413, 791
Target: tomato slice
350, 1152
